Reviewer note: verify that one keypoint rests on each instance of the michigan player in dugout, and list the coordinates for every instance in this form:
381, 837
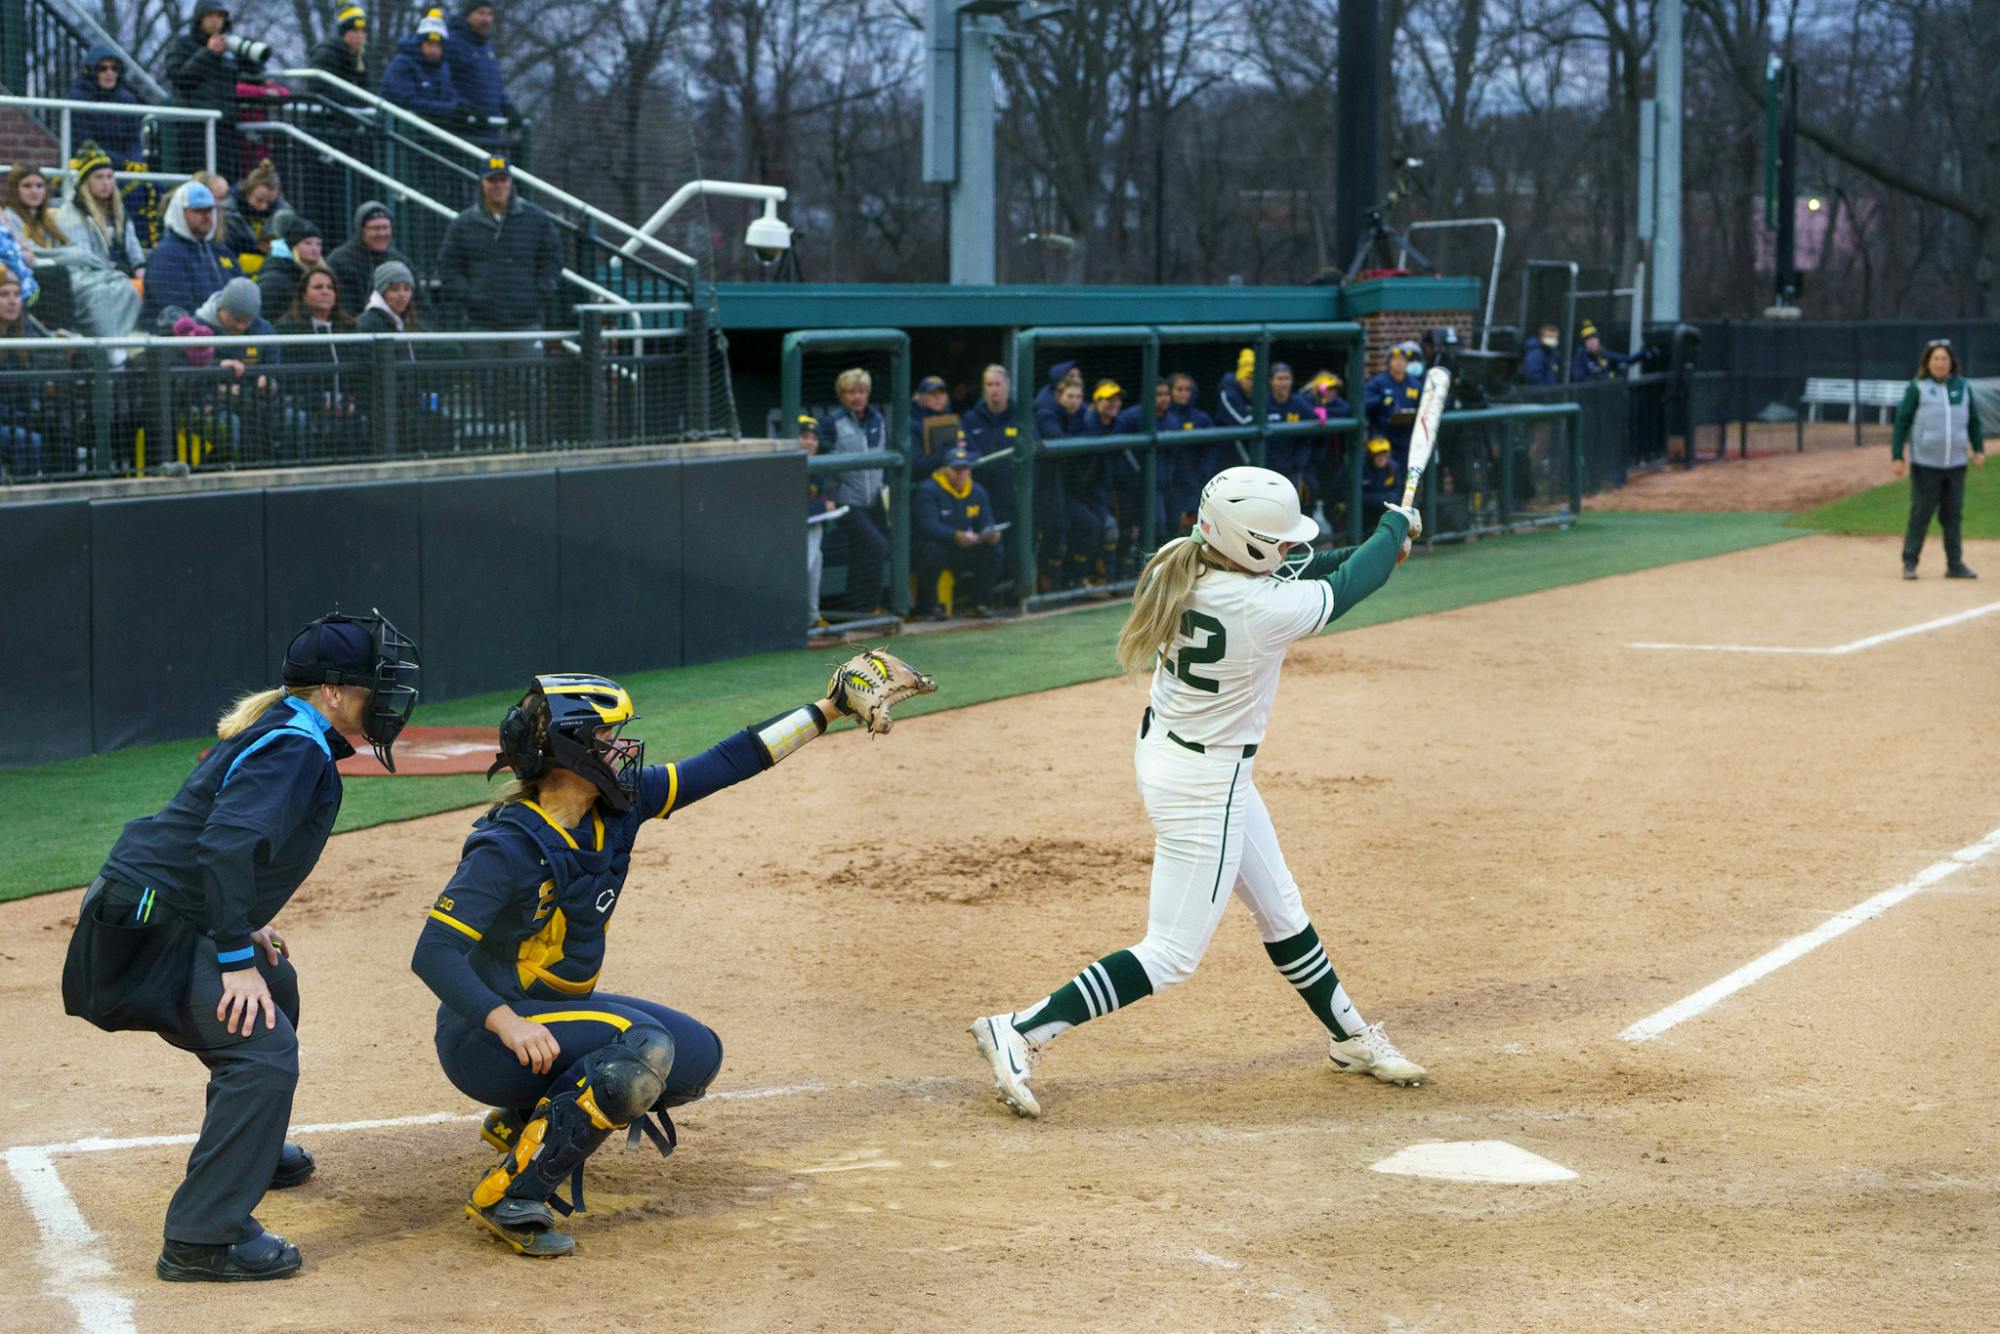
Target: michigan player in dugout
175, 936
514, 945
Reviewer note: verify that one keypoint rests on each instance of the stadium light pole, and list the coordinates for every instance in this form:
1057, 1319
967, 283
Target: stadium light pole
958, 118
1668, 92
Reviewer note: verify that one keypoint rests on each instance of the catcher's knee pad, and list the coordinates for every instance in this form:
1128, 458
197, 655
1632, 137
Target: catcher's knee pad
599, 1094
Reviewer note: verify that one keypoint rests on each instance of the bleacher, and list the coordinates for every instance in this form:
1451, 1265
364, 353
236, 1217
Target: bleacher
626, 351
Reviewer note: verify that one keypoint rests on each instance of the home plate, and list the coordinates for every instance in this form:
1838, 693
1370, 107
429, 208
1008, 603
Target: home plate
1491, 1160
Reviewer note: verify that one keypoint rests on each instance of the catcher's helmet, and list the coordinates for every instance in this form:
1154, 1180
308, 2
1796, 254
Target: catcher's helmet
369, 651
574, 721
1247, 512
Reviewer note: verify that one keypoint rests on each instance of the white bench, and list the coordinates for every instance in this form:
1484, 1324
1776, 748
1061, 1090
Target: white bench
1882, 395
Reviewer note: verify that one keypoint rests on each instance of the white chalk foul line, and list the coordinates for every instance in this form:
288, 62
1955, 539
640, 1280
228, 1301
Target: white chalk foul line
1838, 650
72, 1253
1798, 946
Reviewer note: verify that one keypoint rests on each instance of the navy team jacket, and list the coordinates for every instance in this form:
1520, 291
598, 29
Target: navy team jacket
524, 916
245, 830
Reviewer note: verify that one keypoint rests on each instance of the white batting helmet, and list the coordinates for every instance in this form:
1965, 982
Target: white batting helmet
1246, 512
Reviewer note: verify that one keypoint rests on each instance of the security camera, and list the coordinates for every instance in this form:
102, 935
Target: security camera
768, 236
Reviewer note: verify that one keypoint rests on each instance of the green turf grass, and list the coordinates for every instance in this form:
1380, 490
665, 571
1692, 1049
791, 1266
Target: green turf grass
1886, 508
63, 817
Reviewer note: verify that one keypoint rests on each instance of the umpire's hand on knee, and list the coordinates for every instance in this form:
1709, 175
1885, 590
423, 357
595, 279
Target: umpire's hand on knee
244, 995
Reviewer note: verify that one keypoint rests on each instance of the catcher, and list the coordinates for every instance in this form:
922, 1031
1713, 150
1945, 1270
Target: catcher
514, 944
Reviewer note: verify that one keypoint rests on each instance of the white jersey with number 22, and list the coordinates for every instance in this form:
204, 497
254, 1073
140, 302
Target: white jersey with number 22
1218, 677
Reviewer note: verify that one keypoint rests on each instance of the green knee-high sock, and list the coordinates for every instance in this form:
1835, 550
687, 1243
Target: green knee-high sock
1111, 983
1305, 965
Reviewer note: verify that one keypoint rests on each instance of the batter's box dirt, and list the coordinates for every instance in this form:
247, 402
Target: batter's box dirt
976, 871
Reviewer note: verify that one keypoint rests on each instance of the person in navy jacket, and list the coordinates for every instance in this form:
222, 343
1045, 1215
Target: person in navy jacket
1391, 398
418, 79
209, 873
475, 67
1593, 361
953, 526
514, 945
102, 79
1542, 363
189, 265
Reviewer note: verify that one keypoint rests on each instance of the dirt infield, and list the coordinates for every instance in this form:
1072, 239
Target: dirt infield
1517, 834
1763, 483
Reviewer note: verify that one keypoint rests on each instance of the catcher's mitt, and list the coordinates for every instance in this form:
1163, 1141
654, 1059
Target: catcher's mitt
867, 686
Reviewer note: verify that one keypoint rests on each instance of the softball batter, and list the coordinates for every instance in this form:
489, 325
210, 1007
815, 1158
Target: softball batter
514, 945
1213, 615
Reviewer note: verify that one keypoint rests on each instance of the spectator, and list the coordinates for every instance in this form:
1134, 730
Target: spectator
1069, 532
1593, 361
102, 79
21, 406
816, 504
95, 217
246, 216
475, 69
325, 399
417, 78
858, 428
103, 301
954, 530
237, 311
297, 248
932, 400
370, 246
988, 427
245, 412
1234, 395
1391, 401
1132, 420
1939, 419
1185, 470
343, 53
15, 261
989, 424
1381, 482
501, 260
1322, 395
188, 266
1542, 363
392, 303
202, 72
1292, 456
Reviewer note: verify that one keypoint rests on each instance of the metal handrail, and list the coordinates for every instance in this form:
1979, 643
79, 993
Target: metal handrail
67, 107
1493, 279
143, 341
521, 174
134, 73
415, 196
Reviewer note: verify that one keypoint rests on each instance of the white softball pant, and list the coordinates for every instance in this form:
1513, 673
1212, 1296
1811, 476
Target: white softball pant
1212, 837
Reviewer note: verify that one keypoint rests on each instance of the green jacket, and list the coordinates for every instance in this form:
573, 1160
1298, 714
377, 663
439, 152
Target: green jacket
1939, 420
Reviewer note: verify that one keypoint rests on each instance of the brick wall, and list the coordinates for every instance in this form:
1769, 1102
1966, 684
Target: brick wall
21, 140
1387, 328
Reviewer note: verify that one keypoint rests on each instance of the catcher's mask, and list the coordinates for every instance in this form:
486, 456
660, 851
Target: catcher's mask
367, 651
574, 721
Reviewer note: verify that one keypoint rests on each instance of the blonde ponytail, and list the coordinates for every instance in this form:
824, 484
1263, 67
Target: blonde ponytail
253, 706
1164, 585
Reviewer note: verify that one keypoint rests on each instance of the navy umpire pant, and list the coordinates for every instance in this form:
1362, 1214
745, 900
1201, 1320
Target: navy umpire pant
250, 1086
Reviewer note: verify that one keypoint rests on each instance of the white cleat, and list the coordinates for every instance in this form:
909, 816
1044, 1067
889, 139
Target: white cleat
1011, 1057
1370, 1052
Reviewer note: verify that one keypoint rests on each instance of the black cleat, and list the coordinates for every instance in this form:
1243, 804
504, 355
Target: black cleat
294, 1166
1961, 571
264, 1256
1909, 569
529, 1226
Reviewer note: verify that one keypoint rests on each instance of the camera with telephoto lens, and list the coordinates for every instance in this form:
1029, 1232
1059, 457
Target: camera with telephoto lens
247, 50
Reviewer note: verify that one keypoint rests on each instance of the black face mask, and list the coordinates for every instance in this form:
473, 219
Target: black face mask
390, 679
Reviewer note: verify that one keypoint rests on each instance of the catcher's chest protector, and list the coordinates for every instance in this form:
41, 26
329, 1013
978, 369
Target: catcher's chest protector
566, 952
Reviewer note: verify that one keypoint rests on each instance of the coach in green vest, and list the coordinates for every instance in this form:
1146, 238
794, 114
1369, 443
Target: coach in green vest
1940, 421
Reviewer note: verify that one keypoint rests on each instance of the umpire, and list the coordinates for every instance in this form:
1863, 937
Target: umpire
174, 935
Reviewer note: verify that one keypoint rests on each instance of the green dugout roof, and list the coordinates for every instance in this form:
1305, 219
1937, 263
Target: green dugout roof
787, 306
